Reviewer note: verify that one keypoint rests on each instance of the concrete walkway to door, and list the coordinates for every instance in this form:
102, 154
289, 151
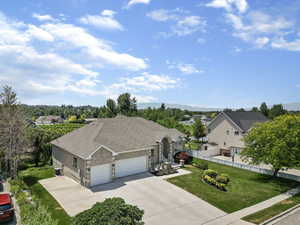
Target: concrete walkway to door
163, 202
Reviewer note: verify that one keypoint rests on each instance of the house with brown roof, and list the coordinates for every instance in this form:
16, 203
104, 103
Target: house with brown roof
226, 132
110, 148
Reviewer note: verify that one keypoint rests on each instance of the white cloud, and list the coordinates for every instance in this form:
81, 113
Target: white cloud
136, 85
162, 15
188, 69
105, 21
261, 41
189, 25
134, 2
39, 69
201, 40
281, 43
43, 18
107, 12
184, 67
149, 82
183, 24
258, 28
229, 5
95, 48
38, 33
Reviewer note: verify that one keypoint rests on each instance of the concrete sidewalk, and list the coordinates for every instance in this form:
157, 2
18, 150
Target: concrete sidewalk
235, 218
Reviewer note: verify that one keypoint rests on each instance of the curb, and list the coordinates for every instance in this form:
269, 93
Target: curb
269, 221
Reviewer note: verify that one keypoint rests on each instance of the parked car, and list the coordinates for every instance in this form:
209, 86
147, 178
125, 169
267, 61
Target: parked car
6, 208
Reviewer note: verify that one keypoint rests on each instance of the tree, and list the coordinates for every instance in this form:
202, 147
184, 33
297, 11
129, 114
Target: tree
254, 109
198, 129
12, 131
133, 106
113, 211
264, 109
274, 143
163, 107
276, 110
240, 110
111, 108
37, 140
124, 103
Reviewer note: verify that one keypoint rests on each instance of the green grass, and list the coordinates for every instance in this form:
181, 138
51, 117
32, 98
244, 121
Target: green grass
31, 177
193, 145
244, 189
274, 210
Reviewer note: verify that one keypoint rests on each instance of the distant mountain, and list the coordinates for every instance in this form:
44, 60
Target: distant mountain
178, 106
289, 106
292, 106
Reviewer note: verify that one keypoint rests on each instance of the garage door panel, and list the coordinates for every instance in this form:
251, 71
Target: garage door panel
100, 174
126, 167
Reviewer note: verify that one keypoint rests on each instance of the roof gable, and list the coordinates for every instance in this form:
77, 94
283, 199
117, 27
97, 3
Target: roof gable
241, 120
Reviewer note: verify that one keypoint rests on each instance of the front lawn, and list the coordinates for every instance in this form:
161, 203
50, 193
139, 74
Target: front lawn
274, 210
244, 189
193, 145
31, 177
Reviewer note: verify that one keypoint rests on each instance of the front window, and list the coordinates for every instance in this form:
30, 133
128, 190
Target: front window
236, 133
75, 163
224, 143
227, 132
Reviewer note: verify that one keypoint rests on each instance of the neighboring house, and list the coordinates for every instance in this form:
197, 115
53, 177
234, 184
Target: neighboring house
204, 119
47, 120
228, 129
114, 147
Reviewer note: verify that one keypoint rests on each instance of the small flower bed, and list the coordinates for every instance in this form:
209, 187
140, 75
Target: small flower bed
219, 181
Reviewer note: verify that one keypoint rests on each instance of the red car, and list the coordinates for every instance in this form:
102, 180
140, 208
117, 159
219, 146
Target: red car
6, 208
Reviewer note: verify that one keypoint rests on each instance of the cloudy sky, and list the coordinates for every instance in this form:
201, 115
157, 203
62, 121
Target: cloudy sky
214, 53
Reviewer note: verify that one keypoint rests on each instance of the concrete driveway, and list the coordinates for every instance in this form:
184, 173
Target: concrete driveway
163, 202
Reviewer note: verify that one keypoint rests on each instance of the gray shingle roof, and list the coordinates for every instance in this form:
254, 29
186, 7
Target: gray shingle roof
245, 120
119, 134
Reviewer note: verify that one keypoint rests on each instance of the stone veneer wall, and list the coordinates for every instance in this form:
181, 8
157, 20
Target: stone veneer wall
63, 159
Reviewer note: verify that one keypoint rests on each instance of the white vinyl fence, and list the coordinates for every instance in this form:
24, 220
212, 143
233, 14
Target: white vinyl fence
257, 169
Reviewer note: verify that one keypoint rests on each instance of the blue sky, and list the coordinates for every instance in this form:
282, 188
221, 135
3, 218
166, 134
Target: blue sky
214, 53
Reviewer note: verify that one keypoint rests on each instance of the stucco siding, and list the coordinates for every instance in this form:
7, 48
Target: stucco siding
218, 134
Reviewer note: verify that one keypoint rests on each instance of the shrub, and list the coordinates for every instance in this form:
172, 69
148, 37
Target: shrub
225, 175
221, 186
211, 173
222, 179
202, 165
113, 211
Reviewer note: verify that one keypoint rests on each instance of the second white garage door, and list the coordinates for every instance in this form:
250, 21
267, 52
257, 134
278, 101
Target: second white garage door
126, 167
100, 174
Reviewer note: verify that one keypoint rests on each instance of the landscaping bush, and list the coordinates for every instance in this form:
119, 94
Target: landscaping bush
113, 211
223, 178
214, 182
211, 173
202, 165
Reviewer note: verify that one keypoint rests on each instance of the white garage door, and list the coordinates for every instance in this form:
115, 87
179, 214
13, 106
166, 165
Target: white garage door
126, 167
100, 174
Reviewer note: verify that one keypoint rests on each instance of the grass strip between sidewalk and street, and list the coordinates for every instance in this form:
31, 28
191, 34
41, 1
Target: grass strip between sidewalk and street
268, 213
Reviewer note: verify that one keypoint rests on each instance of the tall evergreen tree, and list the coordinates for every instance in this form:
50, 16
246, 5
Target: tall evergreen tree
264, 109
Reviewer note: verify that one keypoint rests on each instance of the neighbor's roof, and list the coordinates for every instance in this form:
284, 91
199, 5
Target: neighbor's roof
246, 119
119, 134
